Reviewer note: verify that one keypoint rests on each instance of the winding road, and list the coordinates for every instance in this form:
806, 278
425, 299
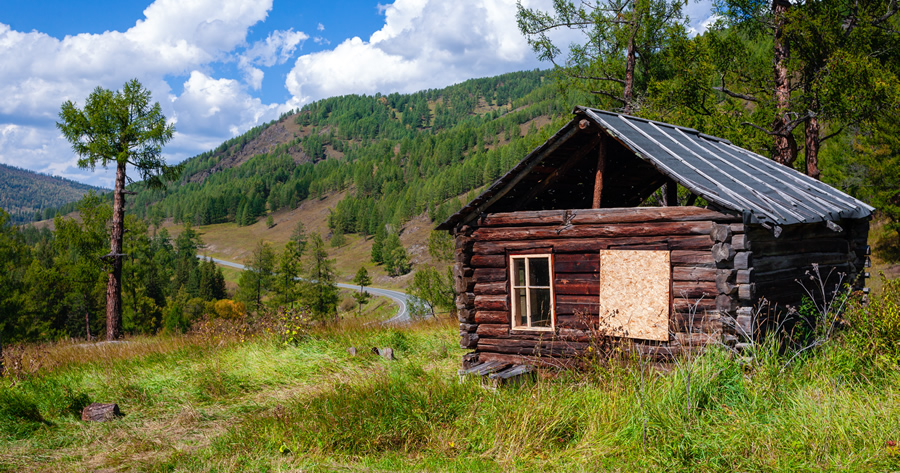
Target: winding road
400, 298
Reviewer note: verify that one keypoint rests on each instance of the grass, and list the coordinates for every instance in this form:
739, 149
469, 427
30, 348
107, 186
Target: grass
216, 403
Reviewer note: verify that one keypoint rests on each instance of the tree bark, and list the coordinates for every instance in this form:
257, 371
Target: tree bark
114, 284
785, 146
628, 92
812, 147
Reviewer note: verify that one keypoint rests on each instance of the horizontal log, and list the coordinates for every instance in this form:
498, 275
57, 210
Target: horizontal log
688, 273
589, 245
694, 290
692, 258
682, 322
699, 305
493, 330
481, 275
745, 276
780, 247
532, 347
795, 232
604, 216
663, 229
467, 328
488, 261
698, 339
493, 303
575, 263
491, 317
504, 358
567, 304
774, 263
490, 288
583, 288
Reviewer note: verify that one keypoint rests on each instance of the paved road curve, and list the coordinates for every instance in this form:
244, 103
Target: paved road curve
400, 298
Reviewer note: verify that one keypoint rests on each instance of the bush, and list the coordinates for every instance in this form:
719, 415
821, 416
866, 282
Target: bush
872, 330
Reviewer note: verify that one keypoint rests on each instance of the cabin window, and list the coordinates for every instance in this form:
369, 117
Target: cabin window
532, 292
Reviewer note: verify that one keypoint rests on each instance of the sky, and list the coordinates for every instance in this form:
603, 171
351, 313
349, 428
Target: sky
221, 67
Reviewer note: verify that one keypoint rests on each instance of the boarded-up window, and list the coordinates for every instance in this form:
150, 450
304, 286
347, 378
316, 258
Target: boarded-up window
634, 293
532, 292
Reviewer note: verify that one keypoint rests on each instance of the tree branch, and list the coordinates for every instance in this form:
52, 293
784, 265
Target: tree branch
736, 95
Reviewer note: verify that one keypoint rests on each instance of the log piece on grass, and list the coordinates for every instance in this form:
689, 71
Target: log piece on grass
100, 412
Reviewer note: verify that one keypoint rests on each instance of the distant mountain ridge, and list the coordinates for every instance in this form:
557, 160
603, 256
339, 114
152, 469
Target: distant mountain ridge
24, 193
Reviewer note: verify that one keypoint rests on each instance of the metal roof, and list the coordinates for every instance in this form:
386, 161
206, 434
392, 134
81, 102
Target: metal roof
728, 176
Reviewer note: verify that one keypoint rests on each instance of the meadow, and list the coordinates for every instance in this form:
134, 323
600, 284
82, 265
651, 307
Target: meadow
242, 396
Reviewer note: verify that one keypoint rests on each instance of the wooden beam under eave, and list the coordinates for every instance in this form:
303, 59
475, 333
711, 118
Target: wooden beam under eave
598, 177
671, 193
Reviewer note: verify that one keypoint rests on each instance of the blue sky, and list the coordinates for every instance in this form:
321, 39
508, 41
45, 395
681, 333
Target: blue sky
220, 67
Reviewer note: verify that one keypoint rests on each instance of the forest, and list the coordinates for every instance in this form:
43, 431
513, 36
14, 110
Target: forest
29, 196
813, 85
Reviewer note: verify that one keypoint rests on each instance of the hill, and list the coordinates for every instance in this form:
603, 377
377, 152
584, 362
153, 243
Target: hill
357, 165
24, 193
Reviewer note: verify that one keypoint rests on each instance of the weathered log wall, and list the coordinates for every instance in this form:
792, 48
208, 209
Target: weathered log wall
575, 237
779, 268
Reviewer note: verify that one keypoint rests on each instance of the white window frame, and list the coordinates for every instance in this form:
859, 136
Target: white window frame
514, 299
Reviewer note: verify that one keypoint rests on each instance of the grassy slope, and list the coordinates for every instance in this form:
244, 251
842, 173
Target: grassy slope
216, 403
231, 242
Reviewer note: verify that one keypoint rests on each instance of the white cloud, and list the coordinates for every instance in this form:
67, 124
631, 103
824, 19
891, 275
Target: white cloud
320, 27
424, 43
174, 38
278, 48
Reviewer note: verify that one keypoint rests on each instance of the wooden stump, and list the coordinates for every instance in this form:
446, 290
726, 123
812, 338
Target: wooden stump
100, 412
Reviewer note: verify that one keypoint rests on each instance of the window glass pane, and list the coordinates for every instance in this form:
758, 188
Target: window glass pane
540, 271
521, 314
518, 272
540, 308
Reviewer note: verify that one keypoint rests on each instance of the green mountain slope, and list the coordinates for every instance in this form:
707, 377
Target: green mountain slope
24, 193
396, 156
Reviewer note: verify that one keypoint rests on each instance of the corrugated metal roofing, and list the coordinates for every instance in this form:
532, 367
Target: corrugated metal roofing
731, 177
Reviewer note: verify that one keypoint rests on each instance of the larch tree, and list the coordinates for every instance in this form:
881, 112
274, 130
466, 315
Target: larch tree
120, 128
623, 41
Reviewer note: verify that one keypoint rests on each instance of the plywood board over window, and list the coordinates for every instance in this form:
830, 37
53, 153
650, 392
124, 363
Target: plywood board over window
634, 293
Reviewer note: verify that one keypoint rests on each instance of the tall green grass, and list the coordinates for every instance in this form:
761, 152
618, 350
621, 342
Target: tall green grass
261, 405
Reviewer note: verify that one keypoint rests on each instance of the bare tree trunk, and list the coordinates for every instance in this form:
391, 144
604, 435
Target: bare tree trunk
812, 147
114, 284
628, 93
785, 147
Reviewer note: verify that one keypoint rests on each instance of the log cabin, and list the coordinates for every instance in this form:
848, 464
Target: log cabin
566, 244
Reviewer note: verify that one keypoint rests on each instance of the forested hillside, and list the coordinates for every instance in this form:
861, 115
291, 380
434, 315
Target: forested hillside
399, 154
28, 195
